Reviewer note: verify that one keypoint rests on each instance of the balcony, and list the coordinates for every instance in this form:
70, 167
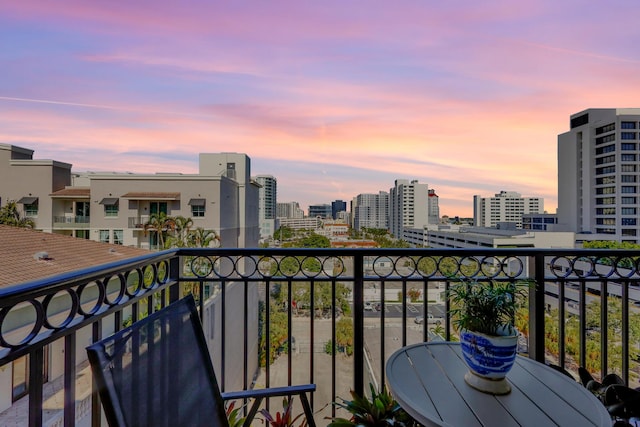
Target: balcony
71, 222
328, 316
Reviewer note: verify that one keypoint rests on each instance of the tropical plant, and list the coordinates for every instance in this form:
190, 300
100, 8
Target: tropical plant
160, 224
9, 215
380, 410
201, 238
485, 307
284, 418
233, 415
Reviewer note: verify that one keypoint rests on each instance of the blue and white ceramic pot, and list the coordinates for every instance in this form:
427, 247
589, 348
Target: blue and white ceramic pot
489, 359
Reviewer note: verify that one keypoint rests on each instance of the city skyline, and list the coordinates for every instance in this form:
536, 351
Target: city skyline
332, 99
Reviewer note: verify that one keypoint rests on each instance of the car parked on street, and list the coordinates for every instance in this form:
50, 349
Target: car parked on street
430, 320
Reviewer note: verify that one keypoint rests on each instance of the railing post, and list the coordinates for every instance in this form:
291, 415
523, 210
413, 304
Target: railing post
536, 310
36, 363
70, 380
174, 275
358, 324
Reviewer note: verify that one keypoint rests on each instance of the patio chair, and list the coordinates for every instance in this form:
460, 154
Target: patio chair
158, 372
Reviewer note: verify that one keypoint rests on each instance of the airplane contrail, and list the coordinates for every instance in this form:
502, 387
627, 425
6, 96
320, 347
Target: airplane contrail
103, 107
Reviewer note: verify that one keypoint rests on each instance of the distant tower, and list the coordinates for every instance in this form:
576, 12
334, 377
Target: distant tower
434, 208
371, 211
337, 206
267, 204
408, 206
506, 206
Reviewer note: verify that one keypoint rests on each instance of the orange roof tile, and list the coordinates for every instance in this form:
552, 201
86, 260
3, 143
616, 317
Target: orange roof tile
64, 254
72, 192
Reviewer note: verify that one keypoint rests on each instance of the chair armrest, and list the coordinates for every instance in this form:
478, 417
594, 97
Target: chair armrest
259, 394
269, 392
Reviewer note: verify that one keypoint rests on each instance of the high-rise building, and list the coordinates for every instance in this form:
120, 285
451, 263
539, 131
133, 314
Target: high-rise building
434, 207
336, 207
598, 173
506, 206
371, 211
408, 206
323, 211
267, 204
289, 210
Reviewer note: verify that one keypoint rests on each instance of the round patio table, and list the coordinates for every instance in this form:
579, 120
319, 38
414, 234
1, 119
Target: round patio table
427, 380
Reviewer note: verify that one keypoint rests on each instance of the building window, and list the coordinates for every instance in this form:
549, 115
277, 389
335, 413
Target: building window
629, 221
629, 189
607, 128
629, 200
111, 210
117, 237
158, 207
31, 210
606, 180
104, 236
606, 201
628, 146
628, 158
606, 149
197, 211
606, 159
627, 135
628, 178
627, 168
609, 169
197, 207
628, 232
628, 125
605, 211
628, 211
606, 190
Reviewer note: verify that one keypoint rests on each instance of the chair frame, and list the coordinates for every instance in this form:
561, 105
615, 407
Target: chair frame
107, 388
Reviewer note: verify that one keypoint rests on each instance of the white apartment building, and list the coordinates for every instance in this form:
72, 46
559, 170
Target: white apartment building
506, 206
598, 173
114, 207
267, 204
289, 210
408, 206
370, 211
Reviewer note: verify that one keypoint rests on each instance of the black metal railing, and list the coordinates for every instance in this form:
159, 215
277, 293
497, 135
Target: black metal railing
328, 316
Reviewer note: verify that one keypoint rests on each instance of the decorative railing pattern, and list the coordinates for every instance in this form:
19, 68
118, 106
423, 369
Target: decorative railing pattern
282, 316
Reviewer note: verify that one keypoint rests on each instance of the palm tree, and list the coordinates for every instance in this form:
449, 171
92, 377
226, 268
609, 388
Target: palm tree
10, 215
160, 223
181, 230
201, 238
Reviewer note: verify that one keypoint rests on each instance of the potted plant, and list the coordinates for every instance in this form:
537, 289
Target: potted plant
484, 313
378, 411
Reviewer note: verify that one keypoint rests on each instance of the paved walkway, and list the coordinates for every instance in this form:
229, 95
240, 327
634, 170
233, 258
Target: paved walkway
53, 405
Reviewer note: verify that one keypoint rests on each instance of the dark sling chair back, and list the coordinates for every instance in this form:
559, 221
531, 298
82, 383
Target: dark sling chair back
158, 372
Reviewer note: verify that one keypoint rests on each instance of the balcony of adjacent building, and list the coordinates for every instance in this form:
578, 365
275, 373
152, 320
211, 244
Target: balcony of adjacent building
71, 209
327, 316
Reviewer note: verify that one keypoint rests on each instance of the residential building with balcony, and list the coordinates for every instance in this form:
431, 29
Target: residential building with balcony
598, 173
289, 210
408, 206
370, 211
114, 207
506, 206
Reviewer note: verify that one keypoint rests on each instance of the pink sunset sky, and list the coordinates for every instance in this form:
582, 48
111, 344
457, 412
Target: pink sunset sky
333, 98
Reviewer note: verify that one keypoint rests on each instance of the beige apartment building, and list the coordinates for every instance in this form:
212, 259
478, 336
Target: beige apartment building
114, 207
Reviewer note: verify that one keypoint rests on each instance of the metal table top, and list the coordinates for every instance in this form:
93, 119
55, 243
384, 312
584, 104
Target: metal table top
427, 380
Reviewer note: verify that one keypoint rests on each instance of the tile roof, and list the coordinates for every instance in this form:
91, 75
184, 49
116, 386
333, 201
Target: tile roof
19, 246
145, 195
72, 192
